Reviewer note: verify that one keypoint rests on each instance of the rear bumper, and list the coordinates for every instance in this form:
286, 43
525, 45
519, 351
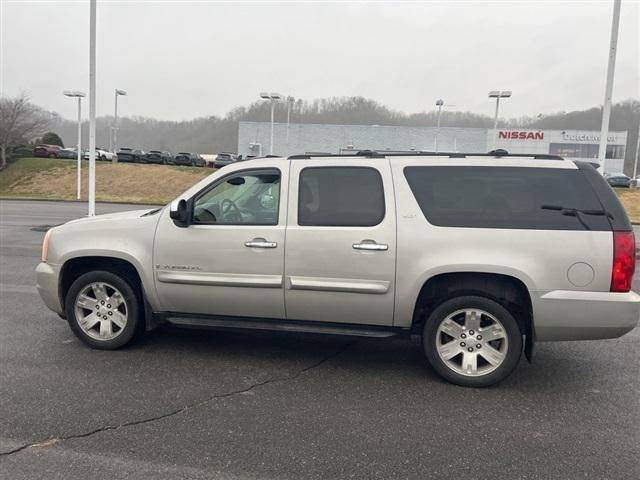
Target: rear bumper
47, 276
579, 315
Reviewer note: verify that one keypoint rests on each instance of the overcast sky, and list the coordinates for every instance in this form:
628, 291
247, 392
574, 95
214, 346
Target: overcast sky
184, 59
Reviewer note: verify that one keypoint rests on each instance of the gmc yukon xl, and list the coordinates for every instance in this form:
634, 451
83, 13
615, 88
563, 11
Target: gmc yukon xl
481, 254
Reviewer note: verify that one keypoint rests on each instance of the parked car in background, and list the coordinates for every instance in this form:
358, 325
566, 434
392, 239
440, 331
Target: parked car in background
46, 151
101, 154
157, 156
189, 159
223, 159
69, 153
618, 180
126, 154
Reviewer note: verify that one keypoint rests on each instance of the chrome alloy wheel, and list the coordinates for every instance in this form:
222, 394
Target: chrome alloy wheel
472, 342
101, 311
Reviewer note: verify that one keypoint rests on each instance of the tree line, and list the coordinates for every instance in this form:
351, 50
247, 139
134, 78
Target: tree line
216, 134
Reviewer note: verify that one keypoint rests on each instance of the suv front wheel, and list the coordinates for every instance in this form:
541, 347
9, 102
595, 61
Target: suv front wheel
472, 341
103, 310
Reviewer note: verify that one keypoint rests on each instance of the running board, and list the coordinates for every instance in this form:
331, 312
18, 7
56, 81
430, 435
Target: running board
240, 323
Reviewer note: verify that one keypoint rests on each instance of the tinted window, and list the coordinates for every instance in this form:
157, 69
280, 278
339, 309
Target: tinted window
340, 196
505, 197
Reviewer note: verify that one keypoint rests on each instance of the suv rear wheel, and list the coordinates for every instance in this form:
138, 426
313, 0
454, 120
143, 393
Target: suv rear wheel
472, 341
103, 310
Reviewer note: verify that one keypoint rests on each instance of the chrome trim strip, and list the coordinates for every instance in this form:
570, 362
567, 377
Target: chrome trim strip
339, 285
220, 279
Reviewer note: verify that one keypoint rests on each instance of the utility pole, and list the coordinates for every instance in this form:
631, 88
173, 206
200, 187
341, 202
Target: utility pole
606, 108
92, 108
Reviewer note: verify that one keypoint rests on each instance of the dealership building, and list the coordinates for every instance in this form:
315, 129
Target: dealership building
296, 138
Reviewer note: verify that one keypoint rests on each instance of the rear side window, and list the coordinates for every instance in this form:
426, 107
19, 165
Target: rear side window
506, 197
340, 197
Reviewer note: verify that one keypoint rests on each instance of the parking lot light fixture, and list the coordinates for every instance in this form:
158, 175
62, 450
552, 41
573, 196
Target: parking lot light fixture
439, 104
497, 94
79, 96
290, 101
273, 98
114, 130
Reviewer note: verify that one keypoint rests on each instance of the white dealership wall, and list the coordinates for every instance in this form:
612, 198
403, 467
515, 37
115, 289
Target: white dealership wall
298, 138
541, 141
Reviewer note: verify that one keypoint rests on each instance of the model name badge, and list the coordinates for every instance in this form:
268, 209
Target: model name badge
178, 267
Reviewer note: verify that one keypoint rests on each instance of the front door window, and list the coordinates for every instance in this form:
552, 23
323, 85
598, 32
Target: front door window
245, 198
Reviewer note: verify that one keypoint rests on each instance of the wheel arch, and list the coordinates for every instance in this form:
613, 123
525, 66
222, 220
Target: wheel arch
74, 267
507, 290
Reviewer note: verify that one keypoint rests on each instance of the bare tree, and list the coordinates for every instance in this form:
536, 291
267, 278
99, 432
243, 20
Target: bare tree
20, 122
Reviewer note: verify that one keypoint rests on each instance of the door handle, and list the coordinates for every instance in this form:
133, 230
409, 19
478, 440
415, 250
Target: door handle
370, 245
260, 243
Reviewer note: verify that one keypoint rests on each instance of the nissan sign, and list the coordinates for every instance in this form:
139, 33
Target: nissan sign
518, 135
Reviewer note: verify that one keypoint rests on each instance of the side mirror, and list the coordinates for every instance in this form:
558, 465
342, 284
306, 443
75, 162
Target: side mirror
179, 213
236, 181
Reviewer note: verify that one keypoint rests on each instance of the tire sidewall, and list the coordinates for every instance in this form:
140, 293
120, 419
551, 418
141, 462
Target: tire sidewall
514, 337
131, 298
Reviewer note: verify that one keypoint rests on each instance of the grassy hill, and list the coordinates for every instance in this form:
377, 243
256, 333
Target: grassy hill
120, 182
125, 182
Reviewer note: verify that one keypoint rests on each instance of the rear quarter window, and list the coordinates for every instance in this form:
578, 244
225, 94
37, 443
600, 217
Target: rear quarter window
505, 197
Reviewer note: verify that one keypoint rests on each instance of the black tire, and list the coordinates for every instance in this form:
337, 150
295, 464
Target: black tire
133, 306
511, 328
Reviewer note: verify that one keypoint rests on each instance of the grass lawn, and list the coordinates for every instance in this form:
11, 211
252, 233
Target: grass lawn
630, 198
120, 182
132, 183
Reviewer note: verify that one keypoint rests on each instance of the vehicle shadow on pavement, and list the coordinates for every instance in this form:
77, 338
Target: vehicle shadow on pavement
559, 365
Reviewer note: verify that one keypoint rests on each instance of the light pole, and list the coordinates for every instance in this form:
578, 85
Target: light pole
92, 108
439, 104
290, 101
114, 129
274, 97
635, 163
606, 108
79, 96
497, 95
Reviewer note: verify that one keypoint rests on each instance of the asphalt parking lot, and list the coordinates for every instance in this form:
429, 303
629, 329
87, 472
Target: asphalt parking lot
191, 404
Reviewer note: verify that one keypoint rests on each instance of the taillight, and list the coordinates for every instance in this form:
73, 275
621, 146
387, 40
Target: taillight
624, 261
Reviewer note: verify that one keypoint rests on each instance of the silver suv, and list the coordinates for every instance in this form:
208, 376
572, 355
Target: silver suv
482, 255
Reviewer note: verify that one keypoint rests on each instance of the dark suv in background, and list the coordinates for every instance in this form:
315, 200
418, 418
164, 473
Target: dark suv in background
617, 180
189, 159
223, 159
130, 155
157, 156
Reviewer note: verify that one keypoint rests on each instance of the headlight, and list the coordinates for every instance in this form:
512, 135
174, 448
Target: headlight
45, 245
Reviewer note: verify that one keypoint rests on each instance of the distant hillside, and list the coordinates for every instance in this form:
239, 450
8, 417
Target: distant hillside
215, 134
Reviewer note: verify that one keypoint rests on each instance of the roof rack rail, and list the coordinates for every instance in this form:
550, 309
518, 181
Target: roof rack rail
498, 153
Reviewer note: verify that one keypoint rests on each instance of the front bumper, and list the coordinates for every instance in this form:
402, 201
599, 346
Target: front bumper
580, 315
47, 276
